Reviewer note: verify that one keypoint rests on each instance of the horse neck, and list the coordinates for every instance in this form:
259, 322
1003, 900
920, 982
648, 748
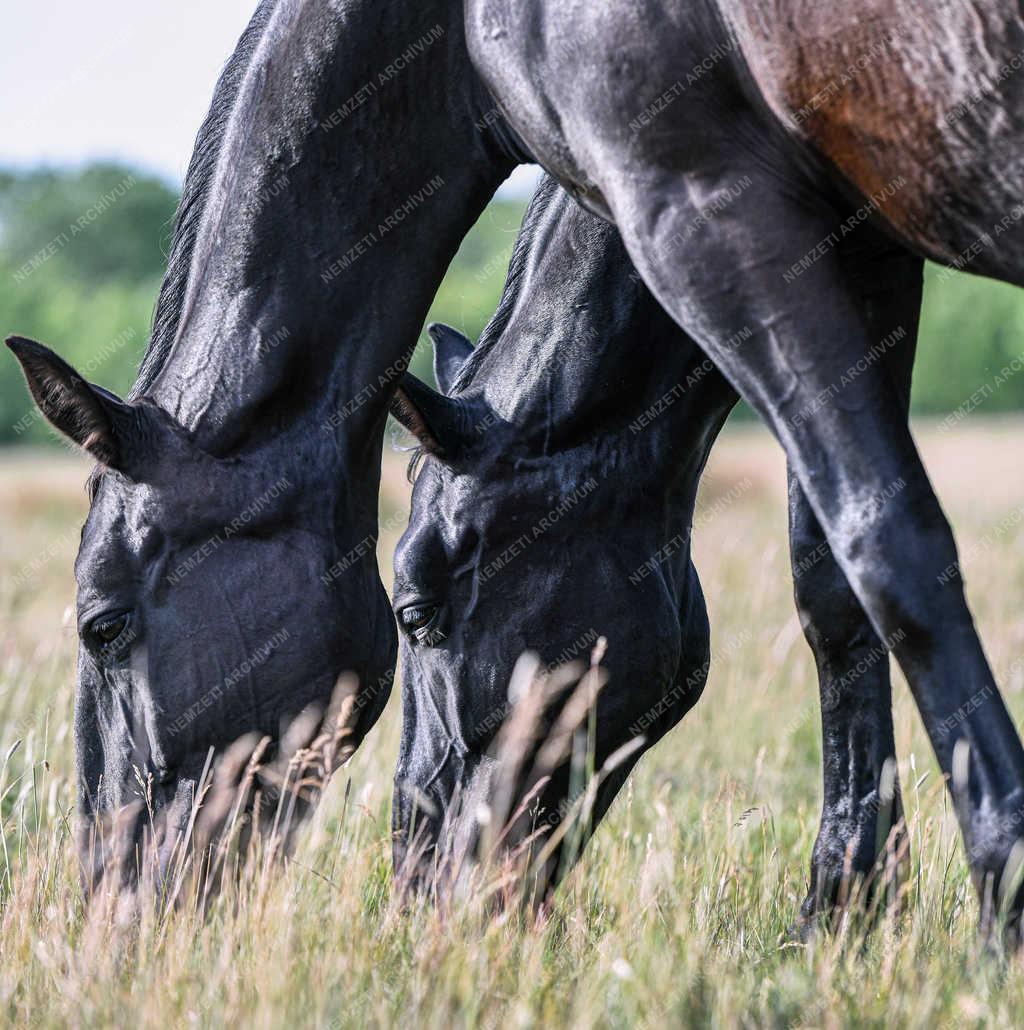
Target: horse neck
351, 165
586, 364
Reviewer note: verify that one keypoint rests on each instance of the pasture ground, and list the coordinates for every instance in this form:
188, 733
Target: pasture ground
678, 912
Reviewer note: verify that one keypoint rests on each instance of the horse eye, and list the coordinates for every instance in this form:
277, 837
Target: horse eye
106, 631
422, 623
417, 616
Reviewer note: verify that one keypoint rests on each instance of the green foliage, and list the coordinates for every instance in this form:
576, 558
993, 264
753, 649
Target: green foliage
82, 253
472, 287
80, 265
107, 222
971, 346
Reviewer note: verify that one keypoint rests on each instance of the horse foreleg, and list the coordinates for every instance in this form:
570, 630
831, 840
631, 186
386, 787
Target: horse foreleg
800, 349
861, 846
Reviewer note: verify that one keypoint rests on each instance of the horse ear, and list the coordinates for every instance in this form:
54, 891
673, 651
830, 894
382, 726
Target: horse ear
441, 424
451, 348
92, 417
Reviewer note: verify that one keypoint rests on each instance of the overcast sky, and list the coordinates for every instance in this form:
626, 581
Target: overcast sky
126, 79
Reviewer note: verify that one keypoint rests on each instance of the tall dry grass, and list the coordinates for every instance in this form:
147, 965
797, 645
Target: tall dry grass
678, 913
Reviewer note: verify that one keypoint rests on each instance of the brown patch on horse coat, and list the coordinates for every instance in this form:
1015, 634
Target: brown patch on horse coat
869, 86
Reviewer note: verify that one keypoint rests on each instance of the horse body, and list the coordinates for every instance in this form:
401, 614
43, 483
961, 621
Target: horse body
916, 112
890, 92
667, 110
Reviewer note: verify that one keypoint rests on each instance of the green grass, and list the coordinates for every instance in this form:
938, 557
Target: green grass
679, 911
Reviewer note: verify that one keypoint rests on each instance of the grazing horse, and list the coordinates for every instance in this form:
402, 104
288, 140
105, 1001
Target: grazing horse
288, 314
227, 571
883, 113
554, 502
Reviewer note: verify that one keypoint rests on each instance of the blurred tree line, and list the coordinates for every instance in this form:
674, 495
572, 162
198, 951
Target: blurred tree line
82, 252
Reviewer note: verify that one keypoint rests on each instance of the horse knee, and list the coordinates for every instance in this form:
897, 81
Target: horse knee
896, 553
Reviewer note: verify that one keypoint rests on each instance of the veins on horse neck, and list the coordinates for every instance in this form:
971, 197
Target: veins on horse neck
354, 215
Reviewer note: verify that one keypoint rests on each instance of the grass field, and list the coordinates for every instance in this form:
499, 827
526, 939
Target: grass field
678, 912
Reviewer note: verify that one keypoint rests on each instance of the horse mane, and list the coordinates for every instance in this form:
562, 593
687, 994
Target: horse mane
194, 195
517, 265
497, 323
195, 192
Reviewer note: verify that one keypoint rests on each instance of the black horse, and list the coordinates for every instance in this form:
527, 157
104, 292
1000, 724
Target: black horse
554, 503
376, 117
839, 120
227, 572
